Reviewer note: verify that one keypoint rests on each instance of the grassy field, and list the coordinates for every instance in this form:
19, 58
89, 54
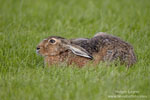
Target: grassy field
24, 23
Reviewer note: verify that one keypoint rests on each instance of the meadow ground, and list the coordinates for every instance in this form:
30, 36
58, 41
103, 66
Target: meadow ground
24, 23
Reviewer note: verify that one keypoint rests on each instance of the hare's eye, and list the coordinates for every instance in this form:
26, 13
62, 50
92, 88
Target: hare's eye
52, 41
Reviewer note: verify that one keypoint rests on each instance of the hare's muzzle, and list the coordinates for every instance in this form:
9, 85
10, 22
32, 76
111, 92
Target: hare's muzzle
37, 50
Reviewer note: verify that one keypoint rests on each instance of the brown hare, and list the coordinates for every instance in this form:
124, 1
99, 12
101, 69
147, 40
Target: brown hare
80, 51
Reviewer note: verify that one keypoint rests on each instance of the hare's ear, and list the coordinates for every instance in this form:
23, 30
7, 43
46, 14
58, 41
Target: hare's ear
77, 50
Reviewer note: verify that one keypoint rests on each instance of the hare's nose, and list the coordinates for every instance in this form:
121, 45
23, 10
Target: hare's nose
37, 48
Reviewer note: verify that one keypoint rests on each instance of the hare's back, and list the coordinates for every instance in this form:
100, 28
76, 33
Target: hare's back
111, 48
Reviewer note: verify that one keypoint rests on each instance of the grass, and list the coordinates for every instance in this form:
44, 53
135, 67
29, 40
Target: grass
24, 23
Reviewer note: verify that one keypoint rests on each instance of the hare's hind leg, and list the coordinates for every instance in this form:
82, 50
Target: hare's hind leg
98, 57
108, 55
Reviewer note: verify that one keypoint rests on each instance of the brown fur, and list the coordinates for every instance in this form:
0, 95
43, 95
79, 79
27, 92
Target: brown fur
80, 51
67, 57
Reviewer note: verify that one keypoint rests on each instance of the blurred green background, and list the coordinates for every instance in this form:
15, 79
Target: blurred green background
24, 23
